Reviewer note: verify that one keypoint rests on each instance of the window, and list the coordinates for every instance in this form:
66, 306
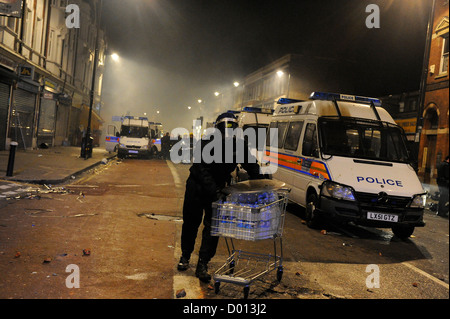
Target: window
310, 141
444, 57
281, 126
293, 135
363, 139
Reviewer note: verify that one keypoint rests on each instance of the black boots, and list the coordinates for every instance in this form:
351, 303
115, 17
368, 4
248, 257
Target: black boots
183, 264
202, 271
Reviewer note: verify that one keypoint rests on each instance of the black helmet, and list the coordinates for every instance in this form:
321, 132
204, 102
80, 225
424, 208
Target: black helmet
226, 120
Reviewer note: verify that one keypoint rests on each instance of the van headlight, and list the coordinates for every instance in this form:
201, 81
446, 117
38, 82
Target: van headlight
144, 147
418, 201
338, 191
122, 145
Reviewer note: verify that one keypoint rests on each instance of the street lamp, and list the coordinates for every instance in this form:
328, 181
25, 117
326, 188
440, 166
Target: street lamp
115, 57
86, 142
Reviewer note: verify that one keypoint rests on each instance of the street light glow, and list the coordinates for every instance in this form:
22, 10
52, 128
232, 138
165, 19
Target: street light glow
280, 73
115, 57
216, 93
236, 84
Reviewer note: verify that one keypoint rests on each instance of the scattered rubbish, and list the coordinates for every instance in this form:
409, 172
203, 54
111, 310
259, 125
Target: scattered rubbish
345, 244
39, 155
298, 273
180, 293
415, 284
86, 252
47, 260
323, 232
72, 177
104, 161
43, 145
17, 255
160, 217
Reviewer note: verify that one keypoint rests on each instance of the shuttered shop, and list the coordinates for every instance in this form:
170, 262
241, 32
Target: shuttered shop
22, 118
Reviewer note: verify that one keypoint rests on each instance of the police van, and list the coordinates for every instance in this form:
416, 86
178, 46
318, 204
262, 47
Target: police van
258, 119
344, 157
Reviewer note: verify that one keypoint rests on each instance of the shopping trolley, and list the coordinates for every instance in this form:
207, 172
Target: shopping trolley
253, 210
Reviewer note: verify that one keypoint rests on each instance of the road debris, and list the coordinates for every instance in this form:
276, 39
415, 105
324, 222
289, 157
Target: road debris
180, 293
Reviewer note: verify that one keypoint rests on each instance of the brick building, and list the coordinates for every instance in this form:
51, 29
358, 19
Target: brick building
434, 134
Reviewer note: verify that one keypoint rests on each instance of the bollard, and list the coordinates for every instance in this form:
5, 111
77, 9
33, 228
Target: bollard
12, 155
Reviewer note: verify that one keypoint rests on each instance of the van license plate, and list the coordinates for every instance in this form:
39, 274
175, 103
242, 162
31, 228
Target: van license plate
133, 152
383, 217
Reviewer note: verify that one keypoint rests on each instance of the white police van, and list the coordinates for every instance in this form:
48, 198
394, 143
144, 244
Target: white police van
344, 157
134, 137
258, 119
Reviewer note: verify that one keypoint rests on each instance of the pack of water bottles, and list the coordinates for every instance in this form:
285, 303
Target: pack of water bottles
249, 215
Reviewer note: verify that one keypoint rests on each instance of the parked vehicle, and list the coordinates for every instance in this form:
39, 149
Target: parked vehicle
344, 157
134, 137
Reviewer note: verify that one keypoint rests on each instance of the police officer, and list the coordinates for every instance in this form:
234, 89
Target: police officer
442, 181
203, 187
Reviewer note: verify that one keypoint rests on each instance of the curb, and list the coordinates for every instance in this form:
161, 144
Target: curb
60, 180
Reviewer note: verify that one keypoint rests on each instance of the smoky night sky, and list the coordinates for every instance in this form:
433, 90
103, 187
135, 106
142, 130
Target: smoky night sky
176, 51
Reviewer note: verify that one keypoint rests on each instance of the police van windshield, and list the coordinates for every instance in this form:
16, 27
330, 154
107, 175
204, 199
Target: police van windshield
134, 131
362, 139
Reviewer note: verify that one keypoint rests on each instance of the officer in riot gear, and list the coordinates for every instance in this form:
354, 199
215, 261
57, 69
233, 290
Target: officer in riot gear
203, 187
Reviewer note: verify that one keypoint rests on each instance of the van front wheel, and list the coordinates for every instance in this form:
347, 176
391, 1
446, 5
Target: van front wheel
403, 232
312, 220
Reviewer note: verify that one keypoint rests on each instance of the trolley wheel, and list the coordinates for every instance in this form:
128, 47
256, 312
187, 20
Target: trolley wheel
217, 287
279, 273
246, 292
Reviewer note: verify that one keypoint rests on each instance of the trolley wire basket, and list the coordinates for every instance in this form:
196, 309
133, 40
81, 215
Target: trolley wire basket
252, 216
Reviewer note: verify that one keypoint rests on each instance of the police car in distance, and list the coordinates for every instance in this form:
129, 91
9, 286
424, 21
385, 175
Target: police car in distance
344, 157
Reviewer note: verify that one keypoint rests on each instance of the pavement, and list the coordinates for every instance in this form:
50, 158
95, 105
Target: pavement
50, 166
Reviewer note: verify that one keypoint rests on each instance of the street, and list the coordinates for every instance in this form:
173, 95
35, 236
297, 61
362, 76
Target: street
115, 231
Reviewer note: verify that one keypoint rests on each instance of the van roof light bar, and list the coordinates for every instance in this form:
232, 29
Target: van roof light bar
344, 97
285, 100
251, 109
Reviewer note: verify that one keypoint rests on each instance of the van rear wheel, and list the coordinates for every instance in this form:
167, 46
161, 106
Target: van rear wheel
312, 220
403, 232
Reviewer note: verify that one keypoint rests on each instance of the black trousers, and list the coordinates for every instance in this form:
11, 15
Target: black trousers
196, 208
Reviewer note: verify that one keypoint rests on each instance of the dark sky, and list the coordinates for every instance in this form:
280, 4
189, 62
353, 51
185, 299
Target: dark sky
174, 51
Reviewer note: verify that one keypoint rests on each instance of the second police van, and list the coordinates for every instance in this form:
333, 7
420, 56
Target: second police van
344, 157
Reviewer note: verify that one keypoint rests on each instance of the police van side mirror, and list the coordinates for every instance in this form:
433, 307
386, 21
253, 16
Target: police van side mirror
315, 152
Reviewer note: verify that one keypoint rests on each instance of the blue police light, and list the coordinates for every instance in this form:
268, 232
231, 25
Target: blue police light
285, 100
233, 111
344, 97
250, 109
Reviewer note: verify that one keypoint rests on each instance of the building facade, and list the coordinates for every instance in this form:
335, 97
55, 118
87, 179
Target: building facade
46, 67
294, 76
403, 107
434, 126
